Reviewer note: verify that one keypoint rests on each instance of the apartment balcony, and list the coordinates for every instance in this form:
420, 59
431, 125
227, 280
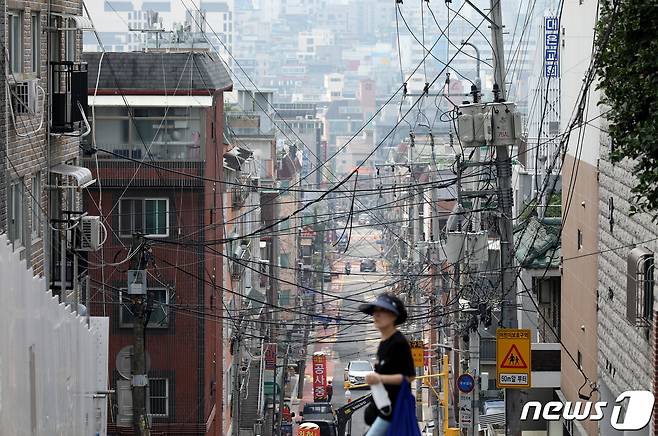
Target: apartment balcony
115, 173
155, 151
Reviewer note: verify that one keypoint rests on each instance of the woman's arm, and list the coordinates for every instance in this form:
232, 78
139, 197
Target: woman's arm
388, 379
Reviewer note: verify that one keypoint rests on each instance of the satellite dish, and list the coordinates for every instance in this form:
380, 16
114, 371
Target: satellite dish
124, 359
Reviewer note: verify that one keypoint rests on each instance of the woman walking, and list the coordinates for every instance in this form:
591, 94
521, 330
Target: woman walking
394, 361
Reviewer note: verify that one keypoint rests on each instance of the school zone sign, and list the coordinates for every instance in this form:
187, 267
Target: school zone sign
638, 410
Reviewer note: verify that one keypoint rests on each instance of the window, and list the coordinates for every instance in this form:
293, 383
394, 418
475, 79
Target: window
158, 300
284, 260
149, 216
580, 360
36, 205
36, 43
55, 54
639, 287
579, 239
179, 136
15, 213
69, 40
159, 396
15, 45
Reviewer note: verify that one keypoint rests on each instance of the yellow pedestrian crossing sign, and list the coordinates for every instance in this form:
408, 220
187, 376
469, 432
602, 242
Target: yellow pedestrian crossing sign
513, 358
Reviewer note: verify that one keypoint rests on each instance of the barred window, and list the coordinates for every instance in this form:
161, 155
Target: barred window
159, 396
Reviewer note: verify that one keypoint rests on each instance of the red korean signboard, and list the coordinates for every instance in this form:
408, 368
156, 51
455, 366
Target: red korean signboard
319, 376
270, 356
309, 429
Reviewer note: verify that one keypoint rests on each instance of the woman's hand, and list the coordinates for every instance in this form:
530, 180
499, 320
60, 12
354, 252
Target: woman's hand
373, 378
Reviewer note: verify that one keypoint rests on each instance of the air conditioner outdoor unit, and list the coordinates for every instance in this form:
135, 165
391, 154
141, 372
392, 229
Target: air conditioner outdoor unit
24, 97
90, 233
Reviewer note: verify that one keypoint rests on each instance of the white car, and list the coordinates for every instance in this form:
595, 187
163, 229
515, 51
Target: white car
355, 373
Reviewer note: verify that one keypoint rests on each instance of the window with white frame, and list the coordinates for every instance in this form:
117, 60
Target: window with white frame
15, 213
149, 216
36, 42
159, 396
15, 43
158, 304
36, 205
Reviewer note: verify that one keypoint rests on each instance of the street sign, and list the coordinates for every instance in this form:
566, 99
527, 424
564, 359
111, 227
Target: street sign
319, 376
309, 429
513, 364
465, 410
466, 383
418, 353
270, 356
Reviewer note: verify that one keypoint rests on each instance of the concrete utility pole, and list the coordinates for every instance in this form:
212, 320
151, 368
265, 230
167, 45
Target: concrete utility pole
505, 199
137, 289
282, 387
236, 382
455, 296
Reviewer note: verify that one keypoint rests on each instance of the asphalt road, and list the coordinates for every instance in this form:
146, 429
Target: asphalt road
356, 342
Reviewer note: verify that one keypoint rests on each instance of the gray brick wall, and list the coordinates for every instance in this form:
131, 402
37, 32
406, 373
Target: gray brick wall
625, 360
30, 149
3, 125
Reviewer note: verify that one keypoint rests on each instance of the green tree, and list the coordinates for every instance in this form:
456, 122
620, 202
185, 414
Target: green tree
628, 72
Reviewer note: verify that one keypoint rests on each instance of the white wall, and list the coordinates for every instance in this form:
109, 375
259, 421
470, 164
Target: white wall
51, 364
578, 21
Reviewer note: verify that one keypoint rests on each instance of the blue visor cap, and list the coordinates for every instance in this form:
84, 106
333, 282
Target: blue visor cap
388, 302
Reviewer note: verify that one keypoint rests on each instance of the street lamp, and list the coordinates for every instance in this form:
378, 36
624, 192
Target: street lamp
478, 82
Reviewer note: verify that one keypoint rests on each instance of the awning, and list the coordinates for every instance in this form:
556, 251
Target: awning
81, 23
151, 100
81, 175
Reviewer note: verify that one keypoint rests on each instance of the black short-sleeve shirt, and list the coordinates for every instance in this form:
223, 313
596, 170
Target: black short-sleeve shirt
393, 357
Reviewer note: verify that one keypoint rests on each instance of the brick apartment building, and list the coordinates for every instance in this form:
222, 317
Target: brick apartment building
158, 133
42, 121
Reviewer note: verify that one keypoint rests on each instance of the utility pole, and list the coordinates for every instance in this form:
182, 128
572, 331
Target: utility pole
434, 241
282, 388
235, 425
137, 289
504, 174
455, 296
412, 257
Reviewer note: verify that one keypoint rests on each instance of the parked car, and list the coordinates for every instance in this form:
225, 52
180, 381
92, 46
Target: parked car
355, 373
491, 407
317, 408
368, 265
321, 414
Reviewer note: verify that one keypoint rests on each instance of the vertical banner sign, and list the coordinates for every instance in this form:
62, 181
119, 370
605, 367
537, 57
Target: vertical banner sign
319, 376
417, 352
551, 47
513, 363
270, 356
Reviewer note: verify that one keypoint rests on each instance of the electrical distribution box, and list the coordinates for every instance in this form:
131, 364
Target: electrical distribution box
493, 124
136, 282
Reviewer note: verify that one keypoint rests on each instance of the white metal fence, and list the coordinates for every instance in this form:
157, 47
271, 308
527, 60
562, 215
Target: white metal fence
52, 365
